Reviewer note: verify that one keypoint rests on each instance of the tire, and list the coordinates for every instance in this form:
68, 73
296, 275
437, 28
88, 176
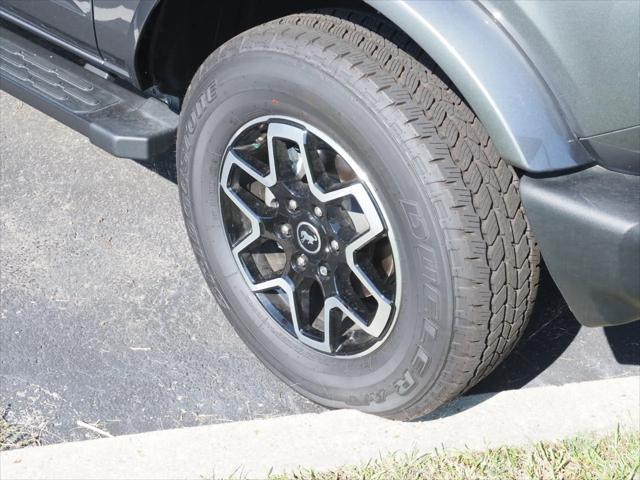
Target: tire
462, 242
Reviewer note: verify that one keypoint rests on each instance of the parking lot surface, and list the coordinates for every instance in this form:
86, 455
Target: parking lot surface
105, 318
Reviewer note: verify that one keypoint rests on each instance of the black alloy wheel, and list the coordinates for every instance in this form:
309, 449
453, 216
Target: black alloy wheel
308, 236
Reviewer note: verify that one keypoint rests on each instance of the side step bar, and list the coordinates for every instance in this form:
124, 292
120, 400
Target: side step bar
118, 120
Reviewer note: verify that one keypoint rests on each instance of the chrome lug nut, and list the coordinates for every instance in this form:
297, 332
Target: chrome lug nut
323, 271
317, 211
301, 261
285, 229
335, 246
293, 205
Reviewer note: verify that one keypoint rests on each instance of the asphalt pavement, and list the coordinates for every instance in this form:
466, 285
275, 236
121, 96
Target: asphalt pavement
105, 319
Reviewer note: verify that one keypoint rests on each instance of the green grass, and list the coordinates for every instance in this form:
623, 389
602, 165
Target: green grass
16, 436
615, 457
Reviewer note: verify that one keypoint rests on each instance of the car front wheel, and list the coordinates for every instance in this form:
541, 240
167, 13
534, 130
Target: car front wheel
351, 215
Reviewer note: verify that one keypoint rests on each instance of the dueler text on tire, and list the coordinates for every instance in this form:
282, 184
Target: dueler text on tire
351, 215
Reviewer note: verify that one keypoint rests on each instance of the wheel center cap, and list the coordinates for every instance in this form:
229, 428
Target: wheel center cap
308, 237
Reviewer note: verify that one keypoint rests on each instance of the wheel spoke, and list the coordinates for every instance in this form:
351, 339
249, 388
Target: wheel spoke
297, 316
242, 201
288, 168
332, 303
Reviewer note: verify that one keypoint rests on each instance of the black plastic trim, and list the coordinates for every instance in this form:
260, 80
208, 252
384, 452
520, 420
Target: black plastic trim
587, 224
618, 150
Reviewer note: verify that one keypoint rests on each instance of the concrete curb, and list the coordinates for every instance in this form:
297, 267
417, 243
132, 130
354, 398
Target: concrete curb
328, 440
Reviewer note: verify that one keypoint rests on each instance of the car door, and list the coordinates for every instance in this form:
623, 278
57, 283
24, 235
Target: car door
70, 21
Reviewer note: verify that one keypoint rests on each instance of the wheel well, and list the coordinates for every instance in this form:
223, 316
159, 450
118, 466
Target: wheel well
176, 40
